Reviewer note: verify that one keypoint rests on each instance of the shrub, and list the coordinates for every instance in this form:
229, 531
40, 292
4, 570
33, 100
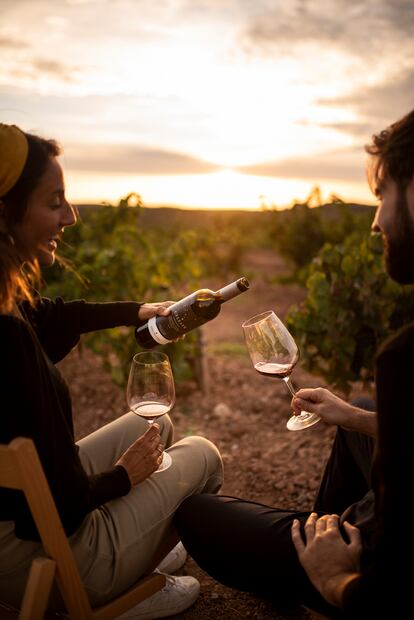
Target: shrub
351, 307
108, 258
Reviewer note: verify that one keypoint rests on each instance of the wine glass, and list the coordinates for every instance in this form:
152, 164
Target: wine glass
150, 390
274, 353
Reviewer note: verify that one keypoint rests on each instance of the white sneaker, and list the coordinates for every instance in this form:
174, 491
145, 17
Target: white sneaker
174, 560
178, 594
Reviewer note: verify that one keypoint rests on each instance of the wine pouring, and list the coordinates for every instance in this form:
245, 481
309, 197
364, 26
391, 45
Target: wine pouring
274, 353
150, 390
187, 314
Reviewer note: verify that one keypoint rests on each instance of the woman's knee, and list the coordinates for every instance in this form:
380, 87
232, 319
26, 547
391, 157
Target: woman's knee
208, 450
204, 459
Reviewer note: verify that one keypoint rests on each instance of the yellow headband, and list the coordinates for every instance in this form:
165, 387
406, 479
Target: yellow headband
13, 154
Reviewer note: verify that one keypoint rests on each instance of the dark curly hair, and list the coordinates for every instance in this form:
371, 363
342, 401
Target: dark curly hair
392, 154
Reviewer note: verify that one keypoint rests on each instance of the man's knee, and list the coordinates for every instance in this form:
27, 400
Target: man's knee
364, 402
199, 505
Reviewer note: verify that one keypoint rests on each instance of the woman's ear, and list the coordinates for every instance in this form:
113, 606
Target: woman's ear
3, 225
4, 229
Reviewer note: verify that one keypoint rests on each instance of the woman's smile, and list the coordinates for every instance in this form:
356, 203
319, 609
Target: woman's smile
48, 213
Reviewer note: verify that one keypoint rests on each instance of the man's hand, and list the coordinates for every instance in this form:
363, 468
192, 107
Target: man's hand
329, 561
335, 411
147, 311
328, 406
142, 458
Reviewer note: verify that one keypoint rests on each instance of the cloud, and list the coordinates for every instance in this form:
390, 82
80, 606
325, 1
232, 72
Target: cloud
55, 69
377, 106
360, 27
9, 43
118, 158
339, 165
36, 68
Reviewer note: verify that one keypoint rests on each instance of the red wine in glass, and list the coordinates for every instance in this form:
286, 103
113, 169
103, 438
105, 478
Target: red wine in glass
274, 353
150, 390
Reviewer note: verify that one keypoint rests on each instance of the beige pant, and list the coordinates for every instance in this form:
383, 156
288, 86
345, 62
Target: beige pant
116, 543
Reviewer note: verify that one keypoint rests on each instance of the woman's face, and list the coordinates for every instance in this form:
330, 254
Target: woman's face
48, 213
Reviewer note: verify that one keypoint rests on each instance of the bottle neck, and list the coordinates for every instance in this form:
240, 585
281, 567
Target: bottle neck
232, 290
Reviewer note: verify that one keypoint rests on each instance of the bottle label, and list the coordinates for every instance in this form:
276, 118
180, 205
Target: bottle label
193, 311
183, 318
155, 332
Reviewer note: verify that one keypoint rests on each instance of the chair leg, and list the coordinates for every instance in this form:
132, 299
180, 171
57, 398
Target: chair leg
315, 615
36, 595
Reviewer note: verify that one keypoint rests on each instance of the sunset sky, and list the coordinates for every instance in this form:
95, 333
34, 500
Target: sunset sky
208, 103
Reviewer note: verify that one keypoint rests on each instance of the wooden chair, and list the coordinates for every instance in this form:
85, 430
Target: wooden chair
315, 615
20, 468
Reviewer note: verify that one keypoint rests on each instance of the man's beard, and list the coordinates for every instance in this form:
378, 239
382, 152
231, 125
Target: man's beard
399, 244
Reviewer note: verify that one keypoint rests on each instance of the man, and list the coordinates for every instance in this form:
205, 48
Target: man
349, 557
392, 172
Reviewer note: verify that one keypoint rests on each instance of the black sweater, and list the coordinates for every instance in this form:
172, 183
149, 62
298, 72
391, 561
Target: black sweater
35, 402
384, 589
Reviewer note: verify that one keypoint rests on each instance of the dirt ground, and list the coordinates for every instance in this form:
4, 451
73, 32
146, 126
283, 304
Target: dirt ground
243, 413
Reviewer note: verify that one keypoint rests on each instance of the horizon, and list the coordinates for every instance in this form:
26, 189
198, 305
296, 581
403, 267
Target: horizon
208, 104
261, 209
290, 192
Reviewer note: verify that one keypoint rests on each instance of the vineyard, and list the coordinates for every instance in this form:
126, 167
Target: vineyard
351, 304
338, 302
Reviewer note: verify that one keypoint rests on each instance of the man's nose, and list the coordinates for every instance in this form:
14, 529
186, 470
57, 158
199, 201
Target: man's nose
375, 226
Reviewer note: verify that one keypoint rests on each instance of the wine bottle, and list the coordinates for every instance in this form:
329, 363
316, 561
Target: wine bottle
190, 312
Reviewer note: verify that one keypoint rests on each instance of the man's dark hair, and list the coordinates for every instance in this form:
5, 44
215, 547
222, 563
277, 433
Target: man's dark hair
392, 153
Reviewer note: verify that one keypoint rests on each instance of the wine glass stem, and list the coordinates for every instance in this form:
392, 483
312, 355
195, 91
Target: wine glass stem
289, 385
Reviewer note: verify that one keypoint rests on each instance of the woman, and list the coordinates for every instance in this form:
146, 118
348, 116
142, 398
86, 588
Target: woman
117, 516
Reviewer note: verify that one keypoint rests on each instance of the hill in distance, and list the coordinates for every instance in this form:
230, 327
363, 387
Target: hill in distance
183, 219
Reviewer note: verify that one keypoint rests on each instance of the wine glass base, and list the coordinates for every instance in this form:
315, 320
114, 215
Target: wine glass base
165, 463
304, 420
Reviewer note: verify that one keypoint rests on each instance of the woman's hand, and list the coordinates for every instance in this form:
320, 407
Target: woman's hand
332, 409
147, 311
329, 561
143, 456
